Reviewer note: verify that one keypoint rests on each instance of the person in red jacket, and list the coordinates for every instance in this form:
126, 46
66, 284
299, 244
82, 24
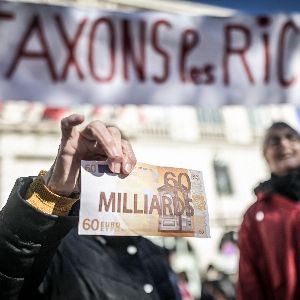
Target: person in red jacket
269, 239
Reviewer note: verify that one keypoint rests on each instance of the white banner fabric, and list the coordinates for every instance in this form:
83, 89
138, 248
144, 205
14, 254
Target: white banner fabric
68, 56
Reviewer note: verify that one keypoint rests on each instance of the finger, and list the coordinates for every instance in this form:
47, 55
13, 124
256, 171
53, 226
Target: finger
68, 123
129, 159
97, 131
115, 165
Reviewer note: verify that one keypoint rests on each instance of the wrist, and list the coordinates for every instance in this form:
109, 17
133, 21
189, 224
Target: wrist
60, 191
56, 187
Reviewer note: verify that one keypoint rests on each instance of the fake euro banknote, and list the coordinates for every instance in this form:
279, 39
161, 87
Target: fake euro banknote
151, 201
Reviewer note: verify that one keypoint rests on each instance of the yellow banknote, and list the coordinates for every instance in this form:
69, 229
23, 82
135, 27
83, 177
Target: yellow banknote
151, 201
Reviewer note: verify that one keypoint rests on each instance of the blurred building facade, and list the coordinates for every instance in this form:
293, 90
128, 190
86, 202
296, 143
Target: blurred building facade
223, 143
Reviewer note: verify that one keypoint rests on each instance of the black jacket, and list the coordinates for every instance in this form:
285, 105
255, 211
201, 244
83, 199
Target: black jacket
43, 257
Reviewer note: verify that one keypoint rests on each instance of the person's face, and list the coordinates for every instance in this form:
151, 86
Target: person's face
282, 150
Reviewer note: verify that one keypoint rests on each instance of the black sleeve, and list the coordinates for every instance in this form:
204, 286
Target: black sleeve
28, 241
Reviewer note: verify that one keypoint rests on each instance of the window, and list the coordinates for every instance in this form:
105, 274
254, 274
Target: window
222, 178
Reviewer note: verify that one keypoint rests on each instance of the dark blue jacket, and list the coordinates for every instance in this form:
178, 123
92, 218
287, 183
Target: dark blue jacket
43, 257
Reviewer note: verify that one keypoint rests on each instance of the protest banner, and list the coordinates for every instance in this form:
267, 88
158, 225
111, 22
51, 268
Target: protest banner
67, 56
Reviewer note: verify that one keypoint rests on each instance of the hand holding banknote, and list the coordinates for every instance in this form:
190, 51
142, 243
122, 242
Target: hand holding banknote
95, 142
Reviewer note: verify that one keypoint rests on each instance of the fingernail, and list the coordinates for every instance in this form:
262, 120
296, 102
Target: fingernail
127, 167
114, 151
117, 167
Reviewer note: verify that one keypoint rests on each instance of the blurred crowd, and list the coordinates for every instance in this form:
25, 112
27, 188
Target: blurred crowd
217, 281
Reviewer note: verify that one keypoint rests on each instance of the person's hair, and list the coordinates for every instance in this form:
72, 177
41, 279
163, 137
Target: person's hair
275, 126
